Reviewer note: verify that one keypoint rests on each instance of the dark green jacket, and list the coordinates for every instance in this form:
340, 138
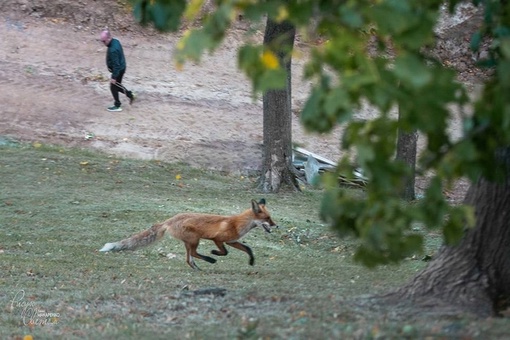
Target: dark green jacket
115, 60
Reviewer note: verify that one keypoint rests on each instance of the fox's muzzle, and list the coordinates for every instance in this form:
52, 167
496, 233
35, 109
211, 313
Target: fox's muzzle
267, 226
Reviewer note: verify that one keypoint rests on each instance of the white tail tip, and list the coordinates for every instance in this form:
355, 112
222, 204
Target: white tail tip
108, 247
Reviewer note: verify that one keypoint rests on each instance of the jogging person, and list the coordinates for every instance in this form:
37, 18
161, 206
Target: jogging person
116, 63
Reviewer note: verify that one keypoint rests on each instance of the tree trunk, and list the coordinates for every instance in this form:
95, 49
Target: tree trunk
473, 276
277, 167
406, 152
407, 144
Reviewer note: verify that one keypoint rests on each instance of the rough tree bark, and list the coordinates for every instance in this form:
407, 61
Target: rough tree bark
406, 152
473, 276
277, 167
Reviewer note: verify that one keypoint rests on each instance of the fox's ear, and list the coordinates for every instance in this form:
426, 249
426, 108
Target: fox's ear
255, 207
262, 201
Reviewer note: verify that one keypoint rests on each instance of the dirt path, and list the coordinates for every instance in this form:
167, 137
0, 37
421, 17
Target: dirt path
54, 89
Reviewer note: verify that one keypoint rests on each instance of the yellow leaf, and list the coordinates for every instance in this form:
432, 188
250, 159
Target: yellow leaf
84, 163
233, 15
28, 337
37, 145
193, 9
283, 14
178, 177
269, 60
182, 42
179, 66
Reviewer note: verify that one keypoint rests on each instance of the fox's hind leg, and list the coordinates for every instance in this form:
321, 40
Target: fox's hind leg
222, 250
191, 251
244, 248
189, 257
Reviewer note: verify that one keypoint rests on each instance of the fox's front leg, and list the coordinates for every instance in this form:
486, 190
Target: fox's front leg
222, 250
244, 248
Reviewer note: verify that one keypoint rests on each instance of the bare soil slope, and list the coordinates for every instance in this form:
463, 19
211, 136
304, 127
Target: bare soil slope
54, 89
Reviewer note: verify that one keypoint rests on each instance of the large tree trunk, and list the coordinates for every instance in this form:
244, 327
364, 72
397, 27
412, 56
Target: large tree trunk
277, 167
473, 276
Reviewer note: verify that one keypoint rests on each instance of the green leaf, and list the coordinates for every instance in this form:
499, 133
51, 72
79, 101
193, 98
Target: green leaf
433, 206
165, 15
351, 17
368, 257
337, 105
312, 106
300, 11
412, 244
476, 39
248, 56
392, 17
460, 218
365, 153
505, 48
452, 233
271, 80
340, 211
193, 45
412, 71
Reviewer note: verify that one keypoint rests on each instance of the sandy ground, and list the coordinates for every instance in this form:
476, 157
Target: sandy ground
54, 89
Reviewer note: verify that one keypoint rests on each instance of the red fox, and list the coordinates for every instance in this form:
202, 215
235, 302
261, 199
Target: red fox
191, 227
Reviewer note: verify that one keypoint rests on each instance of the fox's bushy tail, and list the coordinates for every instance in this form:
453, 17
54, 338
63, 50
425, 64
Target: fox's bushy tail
141, 239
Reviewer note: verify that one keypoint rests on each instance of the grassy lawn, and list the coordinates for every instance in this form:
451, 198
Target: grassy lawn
59, 206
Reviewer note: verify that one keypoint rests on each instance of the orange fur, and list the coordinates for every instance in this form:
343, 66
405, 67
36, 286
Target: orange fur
191, 227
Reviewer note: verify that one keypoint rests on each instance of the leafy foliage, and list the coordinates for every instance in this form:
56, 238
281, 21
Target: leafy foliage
374, 53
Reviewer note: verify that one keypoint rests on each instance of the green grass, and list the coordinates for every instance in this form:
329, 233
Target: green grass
59, 206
